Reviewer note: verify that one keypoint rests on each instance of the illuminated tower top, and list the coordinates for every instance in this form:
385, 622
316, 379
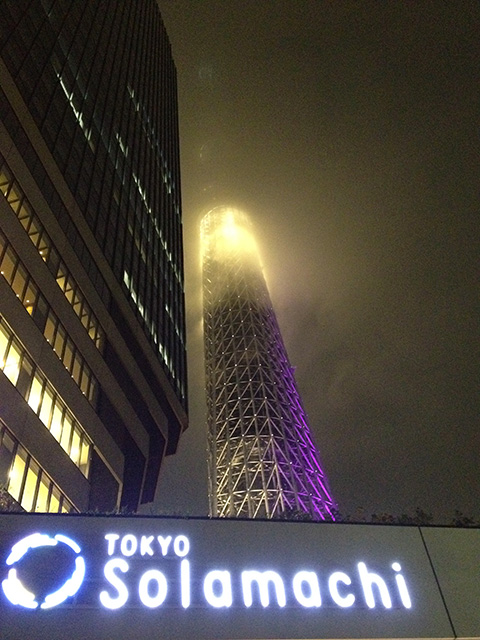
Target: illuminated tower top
262, 460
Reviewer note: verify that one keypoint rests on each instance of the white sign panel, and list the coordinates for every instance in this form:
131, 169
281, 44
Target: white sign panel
131, 577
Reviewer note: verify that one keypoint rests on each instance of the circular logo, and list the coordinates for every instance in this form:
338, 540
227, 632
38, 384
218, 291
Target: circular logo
18, 594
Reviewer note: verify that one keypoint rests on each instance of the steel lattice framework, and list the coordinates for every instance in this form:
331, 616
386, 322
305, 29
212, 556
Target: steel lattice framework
262, 459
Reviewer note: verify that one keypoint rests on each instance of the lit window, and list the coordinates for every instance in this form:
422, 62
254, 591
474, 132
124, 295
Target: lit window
54, 501
4, 337
12, 364
66, 433
75, 449
59, 340
46, 408
56, 424
15, 479
30, 297
25, 214
68, 354
28, 495
84, 456
35, 393
42, 496
49, 331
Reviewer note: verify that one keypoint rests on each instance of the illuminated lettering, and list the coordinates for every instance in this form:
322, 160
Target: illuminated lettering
185, 583
368, 579
131, 544
402, 587
181, 546
222, 599
263, 578
19, 595
145, 548
154, 587
164, 544
16, 592
152, 576
335, 578
313, 598
111, 538
109, 571
128, 545
69, 588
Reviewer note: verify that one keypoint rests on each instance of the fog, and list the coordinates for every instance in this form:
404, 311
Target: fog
348, 131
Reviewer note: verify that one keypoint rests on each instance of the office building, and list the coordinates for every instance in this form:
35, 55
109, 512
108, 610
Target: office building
262, 460
92, 331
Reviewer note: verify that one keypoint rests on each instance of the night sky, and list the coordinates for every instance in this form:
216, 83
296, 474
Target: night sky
349, 132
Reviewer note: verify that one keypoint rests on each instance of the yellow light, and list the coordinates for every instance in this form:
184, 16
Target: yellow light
227, 232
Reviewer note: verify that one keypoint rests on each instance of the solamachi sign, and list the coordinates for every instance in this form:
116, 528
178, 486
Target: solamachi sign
131, 577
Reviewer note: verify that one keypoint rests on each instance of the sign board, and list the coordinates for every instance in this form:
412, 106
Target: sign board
156, 577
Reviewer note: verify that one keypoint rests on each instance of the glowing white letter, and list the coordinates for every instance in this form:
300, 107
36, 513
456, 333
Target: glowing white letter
164, 543
262, 578
111, 538
181, 546
224, 599
109, 571
367, 578
185, 582
145, 542
313, 599
145, 597
128, 545
335, 578
402, 587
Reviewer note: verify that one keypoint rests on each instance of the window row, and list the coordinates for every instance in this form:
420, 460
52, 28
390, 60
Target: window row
28, 293
71, 357
76, 298
41, 396
41, 240
17, 276
26, 481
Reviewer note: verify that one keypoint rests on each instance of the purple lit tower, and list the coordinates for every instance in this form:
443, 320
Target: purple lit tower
262, 459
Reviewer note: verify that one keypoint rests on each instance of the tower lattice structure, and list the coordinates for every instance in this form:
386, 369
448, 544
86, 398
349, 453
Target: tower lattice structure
262, 460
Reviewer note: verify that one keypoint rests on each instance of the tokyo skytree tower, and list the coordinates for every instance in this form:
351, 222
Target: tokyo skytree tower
262, 459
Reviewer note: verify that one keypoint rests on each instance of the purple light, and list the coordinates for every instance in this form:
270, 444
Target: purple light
262, 459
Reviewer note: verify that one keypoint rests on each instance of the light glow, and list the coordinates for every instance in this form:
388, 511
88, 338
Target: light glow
108, 601
335, 578
218, 600
13, 587
313, 599
232, 235
185, 583
278, 469
368, 579
16, 592
69, 588
402, 587
143, 588
263, 578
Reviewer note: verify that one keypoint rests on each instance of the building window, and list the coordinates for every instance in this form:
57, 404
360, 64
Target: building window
54, 332
26, 481
42, 398
42, 242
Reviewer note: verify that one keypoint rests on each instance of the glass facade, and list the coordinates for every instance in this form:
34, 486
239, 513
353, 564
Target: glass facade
105, 103
24, 374
24, 287
91, 224
28, 484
